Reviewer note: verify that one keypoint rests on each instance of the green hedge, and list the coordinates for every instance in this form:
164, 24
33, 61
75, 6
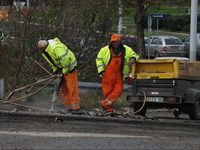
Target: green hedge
174, 23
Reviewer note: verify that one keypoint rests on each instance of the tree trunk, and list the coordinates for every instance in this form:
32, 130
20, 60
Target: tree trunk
139, 17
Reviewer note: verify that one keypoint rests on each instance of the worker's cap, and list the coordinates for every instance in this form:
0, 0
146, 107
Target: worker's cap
42, 44
115, 37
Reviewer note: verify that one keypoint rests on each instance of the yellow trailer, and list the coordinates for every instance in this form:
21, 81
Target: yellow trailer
167, 83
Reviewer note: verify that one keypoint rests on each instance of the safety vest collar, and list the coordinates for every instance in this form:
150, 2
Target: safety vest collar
114, 54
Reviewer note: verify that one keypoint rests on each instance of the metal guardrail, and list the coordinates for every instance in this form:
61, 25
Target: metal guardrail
94, 85
87, 85
81, 85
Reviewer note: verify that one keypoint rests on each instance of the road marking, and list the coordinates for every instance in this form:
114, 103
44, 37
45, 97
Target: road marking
70, 134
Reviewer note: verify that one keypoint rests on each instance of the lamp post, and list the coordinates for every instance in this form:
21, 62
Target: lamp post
193, 30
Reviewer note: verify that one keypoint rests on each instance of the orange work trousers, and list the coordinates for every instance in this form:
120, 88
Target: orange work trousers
112, 83
70, 91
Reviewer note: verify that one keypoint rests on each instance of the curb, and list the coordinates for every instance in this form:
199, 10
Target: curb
135, 120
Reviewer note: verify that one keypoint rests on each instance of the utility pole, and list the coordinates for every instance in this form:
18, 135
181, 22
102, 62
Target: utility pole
149, 31
193, 30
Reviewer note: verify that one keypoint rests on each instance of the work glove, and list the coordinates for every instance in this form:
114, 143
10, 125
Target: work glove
132, 60
102, 73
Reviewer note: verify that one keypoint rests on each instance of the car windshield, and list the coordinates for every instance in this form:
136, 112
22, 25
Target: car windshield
147, 41
173, 41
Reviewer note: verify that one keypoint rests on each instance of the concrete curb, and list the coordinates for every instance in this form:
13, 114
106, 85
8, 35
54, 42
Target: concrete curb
136, 120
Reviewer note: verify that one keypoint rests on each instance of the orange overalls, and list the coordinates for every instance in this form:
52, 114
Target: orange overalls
112, 82
70, 91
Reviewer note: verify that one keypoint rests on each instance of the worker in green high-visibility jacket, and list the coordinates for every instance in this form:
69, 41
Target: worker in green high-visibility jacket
64, 61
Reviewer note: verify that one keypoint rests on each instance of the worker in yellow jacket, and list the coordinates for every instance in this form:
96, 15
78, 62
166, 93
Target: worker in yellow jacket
63, 60
113, 65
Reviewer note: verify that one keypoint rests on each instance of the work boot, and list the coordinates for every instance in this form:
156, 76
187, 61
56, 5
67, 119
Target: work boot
63, 112
77, 112
110, 113
102, 109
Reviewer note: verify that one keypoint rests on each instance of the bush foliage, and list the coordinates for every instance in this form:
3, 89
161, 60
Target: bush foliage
84, 26
174, 23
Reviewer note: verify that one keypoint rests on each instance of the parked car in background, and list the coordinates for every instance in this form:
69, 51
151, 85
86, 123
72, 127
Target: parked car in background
163, 46
186, 41
130, 41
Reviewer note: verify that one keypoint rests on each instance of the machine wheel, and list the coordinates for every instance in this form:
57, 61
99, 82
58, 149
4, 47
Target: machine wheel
137, 106
194, 109
177, 113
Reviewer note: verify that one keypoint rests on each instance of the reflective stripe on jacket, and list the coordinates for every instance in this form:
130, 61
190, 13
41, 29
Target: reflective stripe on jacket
104, 56
61, 56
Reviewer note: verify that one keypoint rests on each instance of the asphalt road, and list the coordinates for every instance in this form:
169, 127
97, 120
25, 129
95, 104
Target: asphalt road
24, 130
35, 128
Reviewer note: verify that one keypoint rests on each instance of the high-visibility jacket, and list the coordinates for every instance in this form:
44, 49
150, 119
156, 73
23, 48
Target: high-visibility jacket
104, 56
59, 56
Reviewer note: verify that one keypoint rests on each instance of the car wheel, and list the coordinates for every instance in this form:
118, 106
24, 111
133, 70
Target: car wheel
177, 113
156, 54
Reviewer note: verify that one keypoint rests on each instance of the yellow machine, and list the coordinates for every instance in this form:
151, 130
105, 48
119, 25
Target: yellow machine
166, 69
168, 83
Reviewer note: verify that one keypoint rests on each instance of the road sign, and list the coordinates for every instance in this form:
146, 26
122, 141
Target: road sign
159, 16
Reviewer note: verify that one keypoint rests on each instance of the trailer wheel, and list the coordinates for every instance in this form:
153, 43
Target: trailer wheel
177, 113
194, 109
137, 106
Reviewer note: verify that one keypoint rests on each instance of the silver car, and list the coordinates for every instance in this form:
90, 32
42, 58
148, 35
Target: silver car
186, 41
163, 46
